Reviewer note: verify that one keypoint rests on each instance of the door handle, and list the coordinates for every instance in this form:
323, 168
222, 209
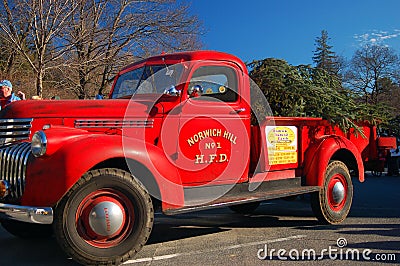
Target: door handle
238, 111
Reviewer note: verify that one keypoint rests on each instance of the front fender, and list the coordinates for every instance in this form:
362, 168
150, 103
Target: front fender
319, 154
50, 177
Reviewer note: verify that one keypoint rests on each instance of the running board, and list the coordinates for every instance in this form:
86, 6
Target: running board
242, 197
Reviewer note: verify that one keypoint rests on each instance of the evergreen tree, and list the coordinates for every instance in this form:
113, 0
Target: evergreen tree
305, 91
324, 57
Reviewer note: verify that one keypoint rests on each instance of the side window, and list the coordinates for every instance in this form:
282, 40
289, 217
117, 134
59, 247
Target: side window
215, 83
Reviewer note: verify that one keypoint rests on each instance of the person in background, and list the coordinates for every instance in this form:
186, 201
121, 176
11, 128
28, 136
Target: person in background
6, 94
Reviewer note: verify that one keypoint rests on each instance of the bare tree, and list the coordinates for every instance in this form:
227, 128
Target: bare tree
13, 22
80, 44
368, 66
107, 34
41, 21
7, 58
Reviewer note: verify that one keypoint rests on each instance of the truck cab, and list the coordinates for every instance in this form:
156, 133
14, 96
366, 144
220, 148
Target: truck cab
174, 133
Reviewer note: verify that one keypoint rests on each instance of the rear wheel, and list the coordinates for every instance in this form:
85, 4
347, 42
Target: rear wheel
27, 230
105, 218
332, 203
245, 208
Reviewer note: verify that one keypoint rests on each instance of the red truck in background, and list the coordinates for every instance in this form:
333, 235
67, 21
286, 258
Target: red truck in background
175, 134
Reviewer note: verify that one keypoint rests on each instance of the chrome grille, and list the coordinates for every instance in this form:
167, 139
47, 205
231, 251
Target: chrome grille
16, 129
114, 123
13, 161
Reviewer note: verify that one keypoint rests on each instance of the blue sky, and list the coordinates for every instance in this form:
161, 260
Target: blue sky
287, 29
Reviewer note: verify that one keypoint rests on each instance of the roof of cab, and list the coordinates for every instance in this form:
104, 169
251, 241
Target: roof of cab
192, 56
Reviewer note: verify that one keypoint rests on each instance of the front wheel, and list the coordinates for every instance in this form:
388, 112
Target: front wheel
332, 203
105, 218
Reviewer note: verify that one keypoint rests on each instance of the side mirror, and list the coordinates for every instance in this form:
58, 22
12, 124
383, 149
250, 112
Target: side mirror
195, 91
172, 91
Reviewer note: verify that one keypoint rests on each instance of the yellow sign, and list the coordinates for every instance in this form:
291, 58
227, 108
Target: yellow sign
281, 144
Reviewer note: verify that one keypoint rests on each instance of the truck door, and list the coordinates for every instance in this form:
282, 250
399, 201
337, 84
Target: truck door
214, 125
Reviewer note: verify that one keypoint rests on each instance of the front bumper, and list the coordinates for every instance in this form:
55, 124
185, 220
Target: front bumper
28, 214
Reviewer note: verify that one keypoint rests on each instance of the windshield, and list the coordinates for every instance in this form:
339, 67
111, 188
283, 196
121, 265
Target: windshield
148, 79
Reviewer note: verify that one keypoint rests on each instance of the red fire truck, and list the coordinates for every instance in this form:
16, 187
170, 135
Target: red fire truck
175, 134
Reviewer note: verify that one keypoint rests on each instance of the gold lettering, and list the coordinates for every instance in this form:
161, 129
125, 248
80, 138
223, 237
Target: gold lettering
207, 133
223, 158
200, 134
215, 132
226, 134
230, 136
199, 159
212, 157
190, 142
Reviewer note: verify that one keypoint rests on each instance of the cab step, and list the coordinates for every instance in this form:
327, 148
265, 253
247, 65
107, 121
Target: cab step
209, 197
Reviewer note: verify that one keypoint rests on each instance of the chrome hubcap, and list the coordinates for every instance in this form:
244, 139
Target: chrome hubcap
338, 192
106, 218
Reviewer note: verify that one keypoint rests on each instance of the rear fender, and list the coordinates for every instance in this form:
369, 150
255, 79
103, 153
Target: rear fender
50, 177
324, 150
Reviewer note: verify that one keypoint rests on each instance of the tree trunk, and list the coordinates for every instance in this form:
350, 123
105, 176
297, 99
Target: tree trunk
39, 83
10, 63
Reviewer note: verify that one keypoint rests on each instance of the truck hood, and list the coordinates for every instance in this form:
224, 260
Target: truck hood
81, 108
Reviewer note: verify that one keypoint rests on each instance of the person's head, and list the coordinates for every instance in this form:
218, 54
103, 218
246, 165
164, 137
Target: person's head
5, 88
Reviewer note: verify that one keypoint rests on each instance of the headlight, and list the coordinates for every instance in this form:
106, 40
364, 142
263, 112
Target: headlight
39, 144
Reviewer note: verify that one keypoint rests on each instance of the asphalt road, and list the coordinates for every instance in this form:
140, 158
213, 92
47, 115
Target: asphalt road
278, 233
